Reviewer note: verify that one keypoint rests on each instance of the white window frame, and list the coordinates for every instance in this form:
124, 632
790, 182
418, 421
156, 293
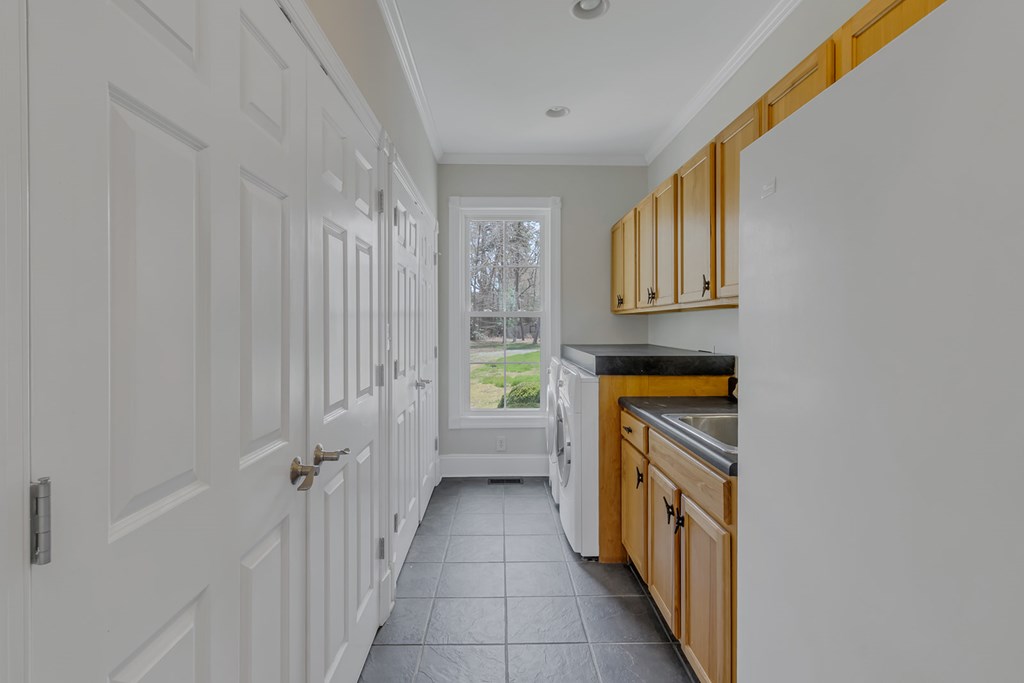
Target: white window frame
460, 211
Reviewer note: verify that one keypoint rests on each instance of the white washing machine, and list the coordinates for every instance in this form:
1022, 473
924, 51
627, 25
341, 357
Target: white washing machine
576, 451
551, 426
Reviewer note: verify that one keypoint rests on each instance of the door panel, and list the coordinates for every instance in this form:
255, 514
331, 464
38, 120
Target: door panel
801, 85
629, 275
407, 224
344, 400
634, 479
728, 145
707, 617
646, 244
697, 227
426, 311
663, 545
168, 359
665, 225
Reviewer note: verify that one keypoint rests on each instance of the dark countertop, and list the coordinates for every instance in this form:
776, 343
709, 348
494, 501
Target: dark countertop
647, 359
651, 410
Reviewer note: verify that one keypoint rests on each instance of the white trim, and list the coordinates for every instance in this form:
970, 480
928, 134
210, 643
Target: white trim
494, 465
545, 159
15, 463
744, 52
403, 173
393, 20
313, 35
551, 208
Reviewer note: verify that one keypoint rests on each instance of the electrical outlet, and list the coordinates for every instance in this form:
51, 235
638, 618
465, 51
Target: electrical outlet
499, 444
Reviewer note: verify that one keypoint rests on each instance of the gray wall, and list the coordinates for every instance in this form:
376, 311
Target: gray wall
881, 517
593, 198
357, 31
803, 30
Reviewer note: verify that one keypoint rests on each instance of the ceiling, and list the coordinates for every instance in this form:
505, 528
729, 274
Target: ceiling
485, 71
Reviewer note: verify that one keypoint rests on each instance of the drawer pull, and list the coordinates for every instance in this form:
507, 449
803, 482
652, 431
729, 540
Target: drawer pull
639, 477
628, 429
670, 511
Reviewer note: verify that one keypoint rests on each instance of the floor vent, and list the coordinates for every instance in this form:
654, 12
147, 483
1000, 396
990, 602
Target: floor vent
505, 481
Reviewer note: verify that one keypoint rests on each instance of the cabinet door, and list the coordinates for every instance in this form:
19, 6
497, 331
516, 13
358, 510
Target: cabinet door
663, 545
645, 247
618, 300
665, 243
629, 260
728, 145
875, 25
706, 555
697, 227
800, 86
634, 506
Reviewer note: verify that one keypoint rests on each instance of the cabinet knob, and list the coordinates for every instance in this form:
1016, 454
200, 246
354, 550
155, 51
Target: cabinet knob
670, 510
707, 286
639, 477
679, 521
627, 429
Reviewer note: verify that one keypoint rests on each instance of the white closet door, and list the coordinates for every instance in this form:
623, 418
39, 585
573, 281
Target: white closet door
406, 321
167, 158
344, 399
427, 386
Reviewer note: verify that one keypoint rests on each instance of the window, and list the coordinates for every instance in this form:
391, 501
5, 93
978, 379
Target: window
503, 322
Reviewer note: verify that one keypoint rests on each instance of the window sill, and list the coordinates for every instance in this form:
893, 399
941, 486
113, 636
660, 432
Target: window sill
534, 421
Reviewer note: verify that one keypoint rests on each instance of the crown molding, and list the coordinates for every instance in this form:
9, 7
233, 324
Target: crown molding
545, 159
393, 20
747, 48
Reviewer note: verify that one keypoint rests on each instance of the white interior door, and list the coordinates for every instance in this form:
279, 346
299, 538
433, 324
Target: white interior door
406, 224
168, 194
344, 399
426, 306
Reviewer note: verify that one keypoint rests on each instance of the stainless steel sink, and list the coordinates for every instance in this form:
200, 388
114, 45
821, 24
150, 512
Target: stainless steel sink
718, 431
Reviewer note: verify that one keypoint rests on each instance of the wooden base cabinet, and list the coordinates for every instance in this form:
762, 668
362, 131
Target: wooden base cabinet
663, 545
634, 506
706, 606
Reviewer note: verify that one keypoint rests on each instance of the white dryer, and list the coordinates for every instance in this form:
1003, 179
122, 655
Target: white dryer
576, 452
551, 426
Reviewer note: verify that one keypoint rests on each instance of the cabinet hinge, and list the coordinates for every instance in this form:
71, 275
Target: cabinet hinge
380, 548
380, 201
380, 374
396, 522
39, 521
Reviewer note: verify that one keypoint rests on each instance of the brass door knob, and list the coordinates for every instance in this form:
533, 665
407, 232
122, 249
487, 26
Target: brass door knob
320, 455
305, 472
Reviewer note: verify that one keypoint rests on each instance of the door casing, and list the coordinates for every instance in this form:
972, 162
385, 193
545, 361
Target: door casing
14, 462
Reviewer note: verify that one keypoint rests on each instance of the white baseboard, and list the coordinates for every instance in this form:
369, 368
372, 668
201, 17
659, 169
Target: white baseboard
494, 465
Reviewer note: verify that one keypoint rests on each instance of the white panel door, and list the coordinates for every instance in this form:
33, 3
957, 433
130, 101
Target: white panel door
167, 146
406, 225
426, 308
344, 399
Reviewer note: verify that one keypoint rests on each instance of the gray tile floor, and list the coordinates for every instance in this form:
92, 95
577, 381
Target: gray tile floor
491, 591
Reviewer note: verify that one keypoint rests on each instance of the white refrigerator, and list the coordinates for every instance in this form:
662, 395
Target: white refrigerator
881, 487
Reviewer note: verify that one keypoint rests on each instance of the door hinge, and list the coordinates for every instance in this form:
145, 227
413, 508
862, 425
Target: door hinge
435, 351
435, 443
380, 201
396, 217
435, 258
39, 520
396, 522
396, 368
387, 337
380, 548
380, 375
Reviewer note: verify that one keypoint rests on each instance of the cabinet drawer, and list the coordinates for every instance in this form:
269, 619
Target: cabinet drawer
710, 490
634, 431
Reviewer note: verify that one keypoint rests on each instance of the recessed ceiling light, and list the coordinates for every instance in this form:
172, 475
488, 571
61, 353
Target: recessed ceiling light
589, 9
557, 112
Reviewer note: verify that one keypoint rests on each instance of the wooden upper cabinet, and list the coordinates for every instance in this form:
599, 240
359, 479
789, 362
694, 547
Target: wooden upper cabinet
618, 291
646, 246
800, 86
875, 25
634, 506
629, 261
696, 192
706, 606
663, 545
665, 222
728, 145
